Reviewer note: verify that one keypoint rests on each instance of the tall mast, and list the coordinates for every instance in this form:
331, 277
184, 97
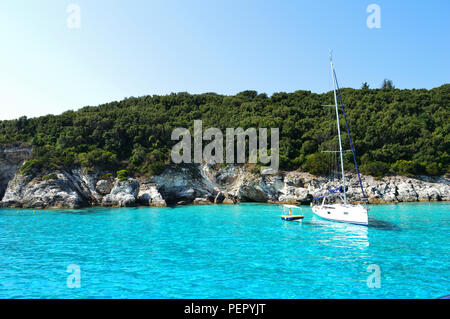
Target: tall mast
338, 127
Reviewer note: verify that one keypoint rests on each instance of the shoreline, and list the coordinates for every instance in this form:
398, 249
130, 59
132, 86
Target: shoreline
74, 188
191, 205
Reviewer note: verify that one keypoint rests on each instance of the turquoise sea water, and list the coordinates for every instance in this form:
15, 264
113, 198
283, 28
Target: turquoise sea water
241, 251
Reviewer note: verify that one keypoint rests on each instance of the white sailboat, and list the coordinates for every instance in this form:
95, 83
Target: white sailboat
343, 211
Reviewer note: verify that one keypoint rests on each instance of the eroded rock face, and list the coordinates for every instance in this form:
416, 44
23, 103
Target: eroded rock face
300, 188
123, 194
403, 189
226, 175
86, 182
11, 159
150, 196
406, 191
184, 185
60, 192
205, 185
219, 198
256, 190
104, 186
229, 201
202, 201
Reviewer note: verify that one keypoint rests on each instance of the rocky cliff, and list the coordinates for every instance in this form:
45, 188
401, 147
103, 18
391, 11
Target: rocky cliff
199, 185
11, 159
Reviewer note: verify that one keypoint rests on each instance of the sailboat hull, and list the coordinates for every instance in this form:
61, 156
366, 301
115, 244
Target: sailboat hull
354, 214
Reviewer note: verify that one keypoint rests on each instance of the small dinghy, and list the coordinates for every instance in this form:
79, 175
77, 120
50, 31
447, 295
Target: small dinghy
291, 217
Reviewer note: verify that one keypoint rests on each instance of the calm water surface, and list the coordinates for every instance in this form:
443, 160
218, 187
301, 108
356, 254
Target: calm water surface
241, 251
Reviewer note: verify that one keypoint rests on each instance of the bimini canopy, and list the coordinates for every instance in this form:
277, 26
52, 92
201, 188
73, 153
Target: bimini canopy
333, 192
290, 206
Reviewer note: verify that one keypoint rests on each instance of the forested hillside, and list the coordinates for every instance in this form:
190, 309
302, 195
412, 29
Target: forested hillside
406, 132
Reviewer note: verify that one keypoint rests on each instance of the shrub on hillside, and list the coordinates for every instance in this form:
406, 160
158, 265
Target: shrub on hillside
317, 164
407, 168
375, 168
122, 175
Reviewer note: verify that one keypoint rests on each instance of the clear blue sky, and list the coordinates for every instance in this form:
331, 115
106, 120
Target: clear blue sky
134, 48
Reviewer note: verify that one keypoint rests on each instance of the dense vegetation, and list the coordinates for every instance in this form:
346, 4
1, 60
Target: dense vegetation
394, 131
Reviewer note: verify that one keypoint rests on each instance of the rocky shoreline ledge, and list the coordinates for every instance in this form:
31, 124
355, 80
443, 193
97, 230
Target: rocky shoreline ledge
201, 184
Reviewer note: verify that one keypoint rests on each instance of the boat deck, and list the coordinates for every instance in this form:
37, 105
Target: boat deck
291, 217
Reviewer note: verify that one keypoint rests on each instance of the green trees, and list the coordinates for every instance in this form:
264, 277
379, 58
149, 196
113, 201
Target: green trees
122, 175
97, 158
317, 164
394, 131
49, 177
375, 168
387, 84
408, 168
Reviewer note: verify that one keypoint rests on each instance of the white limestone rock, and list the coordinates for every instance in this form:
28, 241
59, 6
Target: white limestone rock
123, 194
150, 196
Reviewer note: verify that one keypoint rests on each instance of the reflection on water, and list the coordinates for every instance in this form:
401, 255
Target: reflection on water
341, 234
345, 235
383, 225
373, 223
